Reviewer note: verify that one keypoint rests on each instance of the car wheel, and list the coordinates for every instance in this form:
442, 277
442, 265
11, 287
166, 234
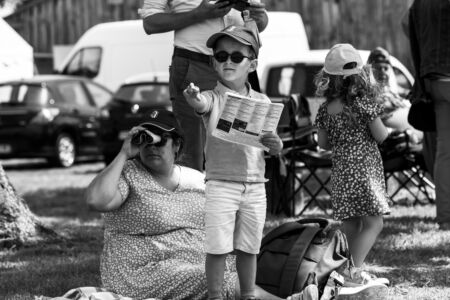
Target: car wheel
65, 151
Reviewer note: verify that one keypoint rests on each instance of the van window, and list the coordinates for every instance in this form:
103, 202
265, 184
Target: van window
85, 62
292, 79
156, 94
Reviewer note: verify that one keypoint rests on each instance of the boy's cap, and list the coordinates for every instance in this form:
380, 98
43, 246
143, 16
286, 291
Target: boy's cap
378, 55
241, 34
164, 120
341, 55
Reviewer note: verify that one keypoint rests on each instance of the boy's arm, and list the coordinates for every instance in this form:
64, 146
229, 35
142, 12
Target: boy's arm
195, 99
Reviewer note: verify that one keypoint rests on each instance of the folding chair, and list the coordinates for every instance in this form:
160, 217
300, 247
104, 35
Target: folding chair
405, 170
296, 132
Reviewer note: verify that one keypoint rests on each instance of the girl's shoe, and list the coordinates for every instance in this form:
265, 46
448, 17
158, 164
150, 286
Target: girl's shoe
360, 277
369, 291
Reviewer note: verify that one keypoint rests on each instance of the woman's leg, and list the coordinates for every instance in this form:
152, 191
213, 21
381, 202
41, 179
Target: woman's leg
361, 234
215, 268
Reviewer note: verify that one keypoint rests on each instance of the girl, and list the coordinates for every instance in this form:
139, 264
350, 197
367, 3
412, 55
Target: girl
349, 124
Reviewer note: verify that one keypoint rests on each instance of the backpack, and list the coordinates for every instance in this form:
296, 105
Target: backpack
294, 251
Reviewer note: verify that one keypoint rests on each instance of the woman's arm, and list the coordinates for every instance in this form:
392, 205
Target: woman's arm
164, 22
378, 130
103, 193
322, 139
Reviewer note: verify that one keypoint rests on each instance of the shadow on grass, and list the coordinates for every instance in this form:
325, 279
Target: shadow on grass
64, 202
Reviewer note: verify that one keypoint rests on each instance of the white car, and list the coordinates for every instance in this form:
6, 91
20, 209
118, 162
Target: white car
281, 79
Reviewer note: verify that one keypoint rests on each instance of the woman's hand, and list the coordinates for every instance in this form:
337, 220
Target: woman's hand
272, 141
128, 148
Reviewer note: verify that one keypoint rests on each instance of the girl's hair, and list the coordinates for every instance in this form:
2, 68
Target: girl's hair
348, 88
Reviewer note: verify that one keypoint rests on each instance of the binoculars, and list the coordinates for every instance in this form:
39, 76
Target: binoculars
145, 136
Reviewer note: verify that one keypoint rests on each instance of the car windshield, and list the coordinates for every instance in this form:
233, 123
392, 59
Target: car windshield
144, 93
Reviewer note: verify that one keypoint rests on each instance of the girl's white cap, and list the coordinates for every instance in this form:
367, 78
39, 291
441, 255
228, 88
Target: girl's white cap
341, 55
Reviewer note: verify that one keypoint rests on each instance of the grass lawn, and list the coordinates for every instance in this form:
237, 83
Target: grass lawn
410, 251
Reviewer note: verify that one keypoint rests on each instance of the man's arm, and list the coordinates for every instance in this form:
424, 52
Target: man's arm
259, 14
164, 22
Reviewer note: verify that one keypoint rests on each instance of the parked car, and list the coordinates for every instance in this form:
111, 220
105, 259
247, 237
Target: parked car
130, 106
51, 116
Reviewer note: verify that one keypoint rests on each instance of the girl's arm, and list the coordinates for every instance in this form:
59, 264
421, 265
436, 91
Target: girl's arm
103, 193
378, 130
322, 139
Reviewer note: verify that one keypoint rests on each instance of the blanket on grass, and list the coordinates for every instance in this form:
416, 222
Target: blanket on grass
88, 293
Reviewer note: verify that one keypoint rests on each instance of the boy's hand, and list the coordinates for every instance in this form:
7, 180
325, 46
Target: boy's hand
194, 98
272, 141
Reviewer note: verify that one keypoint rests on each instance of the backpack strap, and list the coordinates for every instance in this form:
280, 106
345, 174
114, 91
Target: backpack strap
295, 258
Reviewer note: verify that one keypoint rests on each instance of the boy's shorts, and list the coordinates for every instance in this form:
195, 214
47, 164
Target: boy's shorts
235, 216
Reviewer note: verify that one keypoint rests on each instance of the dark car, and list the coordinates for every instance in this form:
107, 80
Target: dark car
51, 116
131, 105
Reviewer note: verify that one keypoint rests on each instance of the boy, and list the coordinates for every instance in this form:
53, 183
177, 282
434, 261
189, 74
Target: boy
235, 191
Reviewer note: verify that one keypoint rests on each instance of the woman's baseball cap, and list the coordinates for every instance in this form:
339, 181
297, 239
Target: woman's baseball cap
343, 59
163, 120
241, 34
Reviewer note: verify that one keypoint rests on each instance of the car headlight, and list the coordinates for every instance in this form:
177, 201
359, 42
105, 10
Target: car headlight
104, 113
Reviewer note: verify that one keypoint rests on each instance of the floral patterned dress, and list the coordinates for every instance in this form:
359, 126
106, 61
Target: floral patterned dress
154, 243
358, 187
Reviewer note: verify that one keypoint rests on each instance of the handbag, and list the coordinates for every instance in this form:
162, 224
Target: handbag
421, 114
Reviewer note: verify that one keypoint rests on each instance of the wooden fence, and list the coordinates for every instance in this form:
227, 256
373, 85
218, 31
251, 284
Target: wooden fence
365, 24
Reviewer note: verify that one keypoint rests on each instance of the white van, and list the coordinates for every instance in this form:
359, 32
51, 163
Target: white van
111, 52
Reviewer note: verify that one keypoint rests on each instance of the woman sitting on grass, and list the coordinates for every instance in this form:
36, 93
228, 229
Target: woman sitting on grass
154, 219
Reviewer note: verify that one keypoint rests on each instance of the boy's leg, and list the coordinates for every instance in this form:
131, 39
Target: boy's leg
215, 268
246, 268
248, 234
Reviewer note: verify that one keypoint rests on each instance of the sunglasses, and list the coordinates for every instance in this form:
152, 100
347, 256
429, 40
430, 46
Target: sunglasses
236, 57
142, 137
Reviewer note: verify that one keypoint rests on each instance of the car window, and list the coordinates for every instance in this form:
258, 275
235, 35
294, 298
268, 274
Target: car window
32, 95
286, 80
72, 92
5, 93
100, 96
148, 93
86, 62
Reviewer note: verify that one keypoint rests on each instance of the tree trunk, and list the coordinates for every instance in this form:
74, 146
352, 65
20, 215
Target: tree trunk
18, 225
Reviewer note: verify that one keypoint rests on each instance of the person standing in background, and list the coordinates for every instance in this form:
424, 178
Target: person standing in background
194, 21
429, 36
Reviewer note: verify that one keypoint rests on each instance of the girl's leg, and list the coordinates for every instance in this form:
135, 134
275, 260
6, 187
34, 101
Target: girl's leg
362, 234
246, 269
215, 268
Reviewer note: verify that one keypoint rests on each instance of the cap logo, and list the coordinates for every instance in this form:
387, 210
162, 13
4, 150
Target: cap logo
231, 28
154, 114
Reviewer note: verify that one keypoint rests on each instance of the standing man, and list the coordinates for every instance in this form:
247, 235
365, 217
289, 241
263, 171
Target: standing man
194, 21
429, 36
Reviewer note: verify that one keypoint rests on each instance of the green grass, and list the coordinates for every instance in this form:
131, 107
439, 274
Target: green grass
410, 251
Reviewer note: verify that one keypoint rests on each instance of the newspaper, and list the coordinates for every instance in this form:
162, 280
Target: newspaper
243, 120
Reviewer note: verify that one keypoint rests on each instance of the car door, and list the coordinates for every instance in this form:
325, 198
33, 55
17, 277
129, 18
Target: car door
82, 115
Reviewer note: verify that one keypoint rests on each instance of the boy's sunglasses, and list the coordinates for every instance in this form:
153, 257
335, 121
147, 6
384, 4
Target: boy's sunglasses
142, 137
236, 57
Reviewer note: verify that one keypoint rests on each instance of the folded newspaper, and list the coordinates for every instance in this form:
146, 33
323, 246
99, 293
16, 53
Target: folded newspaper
243, 120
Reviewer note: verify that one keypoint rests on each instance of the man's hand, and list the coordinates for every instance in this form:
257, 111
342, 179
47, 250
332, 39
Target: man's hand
258, 13
272, 141
211, 10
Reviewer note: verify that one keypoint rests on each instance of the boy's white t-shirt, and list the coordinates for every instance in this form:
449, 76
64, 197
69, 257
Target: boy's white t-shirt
226, 160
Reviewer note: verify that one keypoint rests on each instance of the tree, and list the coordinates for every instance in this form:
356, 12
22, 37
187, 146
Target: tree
18, 225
